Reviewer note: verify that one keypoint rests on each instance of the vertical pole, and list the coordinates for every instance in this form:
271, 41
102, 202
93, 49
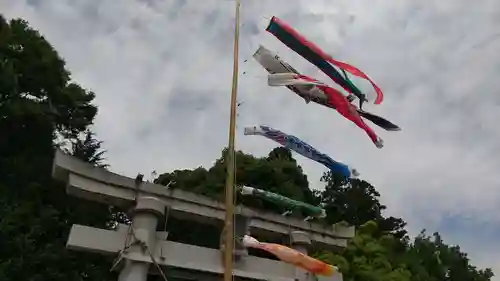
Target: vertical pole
230, 161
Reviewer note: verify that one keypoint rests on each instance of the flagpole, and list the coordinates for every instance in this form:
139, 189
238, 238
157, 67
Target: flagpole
230, 159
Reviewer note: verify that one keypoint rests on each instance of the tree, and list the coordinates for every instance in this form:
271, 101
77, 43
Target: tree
429, 258
367, 258
356, 203
38, 104
36, 99
89, 149
276, 174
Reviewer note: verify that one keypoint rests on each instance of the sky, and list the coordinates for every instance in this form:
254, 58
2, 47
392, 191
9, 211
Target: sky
162, 72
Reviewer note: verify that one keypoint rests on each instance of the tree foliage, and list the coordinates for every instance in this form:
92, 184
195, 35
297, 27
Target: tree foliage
39, 106
337, 200
88, 149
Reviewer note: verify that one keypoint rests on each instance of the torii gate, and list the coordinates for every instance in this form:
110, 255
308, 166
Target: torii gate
154, 250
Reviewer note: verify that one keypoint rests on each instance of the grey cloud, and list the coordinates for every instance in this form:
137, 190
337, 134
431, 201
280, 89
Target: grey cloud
33, 3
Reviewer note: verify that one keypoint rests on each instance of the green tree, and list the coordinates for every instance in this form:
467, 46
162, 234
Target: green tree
356, 203
37, 104
429, 258
279, 174
89, 149
368, 257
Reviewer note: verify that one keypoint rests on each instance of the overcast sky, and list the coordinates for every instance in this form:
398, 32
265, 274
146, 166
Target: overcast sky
162, 74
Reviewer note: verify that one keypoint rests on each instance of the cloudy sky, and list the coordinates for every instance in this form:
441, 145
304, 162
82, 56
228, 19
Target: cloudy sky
161, 70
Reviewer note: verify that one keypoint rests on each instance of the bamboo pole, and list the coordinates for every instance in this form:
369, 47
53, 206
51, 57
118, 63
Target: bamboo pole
230, 159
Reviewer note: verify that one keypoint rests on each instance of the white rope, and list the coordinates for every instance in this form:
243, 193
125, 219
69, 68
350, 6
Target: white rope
137, 241
146, 248
127, 244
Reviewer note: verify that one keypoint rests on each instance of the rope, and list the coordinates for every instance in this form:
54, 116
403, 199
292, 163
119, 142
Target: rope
137, 241
146, 249
127, 244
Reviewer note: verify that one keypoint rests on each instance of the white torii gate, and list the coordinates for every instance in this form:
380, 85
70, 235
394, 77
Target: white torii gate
152, 250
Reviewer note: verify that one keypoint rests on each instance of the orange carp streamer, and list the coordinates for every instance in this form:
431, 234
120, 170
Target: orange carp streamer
291, 256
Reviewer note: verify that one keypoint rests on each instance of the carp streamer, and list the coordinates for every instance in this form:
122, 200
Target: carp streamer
308, 50
289, 204
302, 148
275, 65
335, 99
291, 256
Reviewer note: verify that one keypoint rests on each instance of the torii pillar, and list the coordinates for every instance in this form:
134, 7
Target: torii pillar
144, 223
300, 241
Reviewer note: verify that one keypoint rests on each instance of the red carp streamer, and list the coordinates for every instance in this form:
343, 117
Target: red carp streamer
335, 99
310, 51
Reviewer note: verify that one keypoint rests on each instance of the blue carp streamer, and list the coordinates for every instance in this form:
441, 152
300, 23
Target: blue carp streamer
302, 148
